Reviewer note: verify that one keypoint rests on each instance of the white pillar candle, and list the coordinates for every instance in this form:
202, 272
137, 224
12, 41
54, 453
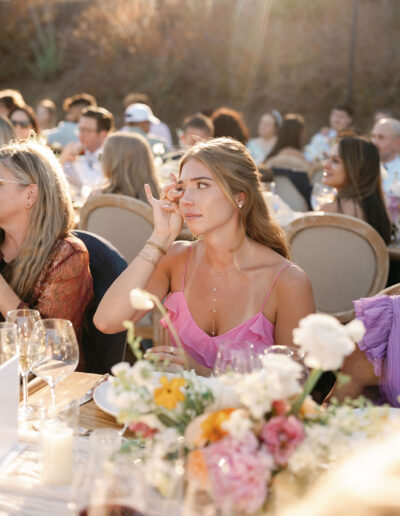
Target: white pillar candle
57, 440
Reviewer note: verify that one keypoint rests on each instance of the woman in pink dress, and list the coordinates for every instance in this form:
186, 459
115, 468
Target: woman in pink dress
232, 286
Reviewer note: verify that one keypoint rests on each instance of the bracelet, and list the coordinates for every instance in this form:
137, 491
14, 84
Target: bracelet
148, 259
156, 246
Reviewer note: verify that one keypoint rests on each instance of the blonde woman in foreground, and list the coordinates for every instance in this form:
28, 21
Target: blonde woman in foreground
233, 286
42, 265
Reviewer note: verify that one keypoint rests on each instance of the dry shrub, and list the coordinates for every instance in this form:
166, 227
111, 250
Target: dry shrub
192, 54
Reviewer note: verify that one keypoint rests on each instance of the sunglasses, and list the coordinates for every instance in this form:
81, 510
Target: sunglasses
13, 181
23, 124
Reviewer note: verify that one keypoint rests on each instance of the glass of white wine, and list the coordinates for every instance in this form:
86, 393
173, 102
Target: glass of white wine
25, 320
322, 194
57, 347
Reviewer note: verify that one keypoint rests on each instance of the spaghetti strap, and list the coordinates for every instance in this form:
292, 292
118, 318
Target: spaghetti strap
186, 266
273, 283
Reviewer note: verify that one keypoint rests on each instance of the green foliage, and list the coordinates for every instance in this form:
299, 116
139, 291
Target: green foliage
47, 54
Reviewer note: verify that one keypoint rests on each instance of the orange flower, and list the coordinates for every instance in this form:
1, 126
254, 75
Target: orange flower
197, 468
212, 426
170, 394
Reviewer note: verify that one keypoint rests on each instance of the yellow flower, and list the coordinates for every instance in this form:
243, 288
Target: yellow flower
169, 395
310, 409
212, 426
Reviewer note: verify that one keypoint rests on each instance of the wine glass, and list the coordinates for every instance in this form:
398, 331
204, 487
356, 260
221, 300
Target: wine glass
241, 360
8, 341
25, 319
322, 194
57, 347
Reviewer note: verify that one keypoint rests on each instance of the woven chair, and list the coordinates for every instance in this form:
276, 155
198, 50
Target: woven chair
345, 258
127, 223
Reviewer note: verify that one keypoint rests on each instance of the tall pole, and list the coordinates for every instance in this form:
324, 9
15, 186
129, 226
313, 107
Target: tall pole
350, 76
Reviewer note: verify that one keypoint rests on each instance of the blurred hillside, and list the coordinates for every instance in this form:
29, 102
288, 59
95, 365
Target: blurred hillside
193, 54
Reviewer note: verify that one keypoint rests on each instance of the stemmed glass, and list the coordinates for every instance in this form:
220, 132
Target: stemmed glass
25, 319
236, 359
8, 341
322, 194
57, 347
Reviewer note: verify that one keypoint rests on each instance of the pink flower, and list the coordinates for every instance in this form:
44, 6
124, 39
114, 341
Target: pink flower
280, 407
239, 472
142, 430
282, 435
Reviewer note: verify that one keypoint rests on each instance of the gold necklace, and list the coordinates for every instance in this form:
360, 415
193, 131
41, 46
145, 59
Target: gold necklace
214, 310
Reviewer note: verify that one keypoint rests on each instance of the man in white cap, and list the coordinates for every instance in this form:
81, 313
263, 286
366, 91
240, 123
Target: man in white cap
386, 136
138, 118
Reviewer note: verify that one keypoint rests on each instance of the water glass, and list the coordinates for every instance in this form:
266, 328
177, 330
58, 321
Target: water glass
58, 352
25, 320
322, 194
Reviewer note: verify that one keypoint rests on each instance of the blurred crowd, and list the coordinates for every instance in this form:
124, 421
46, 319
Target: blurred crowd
335, 171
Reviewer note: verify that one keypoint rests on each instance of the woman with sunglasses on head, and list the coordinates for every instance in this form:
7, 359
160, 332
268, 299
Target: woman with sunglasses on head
233, 285
42, 265
24, 121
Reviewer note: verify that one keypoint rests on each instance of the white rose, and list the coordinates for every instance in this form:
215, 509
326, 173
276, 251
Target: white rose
140, 299
238, 424
142, 373
324, 341
355, 330
121, 367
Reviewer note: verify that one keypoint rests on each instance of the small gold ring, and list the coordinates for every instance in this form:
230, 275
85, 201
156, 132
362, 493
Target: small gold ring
163, 197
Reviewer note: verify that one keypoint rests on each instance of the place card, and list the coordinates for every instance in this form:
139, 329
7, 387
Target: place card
9, 399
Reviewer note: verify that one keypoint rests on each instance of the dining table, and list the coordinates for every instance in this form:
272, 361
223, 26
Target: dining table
21, 491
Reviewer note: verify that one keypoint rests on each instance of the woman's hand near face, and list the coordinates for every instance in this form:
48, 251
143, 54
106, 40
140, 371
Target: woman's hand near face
167, 219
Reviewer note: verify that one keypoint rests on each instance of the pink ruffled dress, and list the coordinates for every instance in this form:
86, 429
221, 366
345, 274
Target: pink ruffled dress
257, 330
381, 342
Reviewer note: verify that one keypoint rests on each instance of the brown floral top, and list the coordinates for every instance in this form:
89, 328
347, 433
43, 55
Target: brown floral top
64, 288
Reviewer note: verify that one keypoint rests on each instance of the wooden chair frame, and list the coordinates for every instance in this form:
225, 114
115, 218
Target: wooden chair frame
118, 201
127, 203
320, 219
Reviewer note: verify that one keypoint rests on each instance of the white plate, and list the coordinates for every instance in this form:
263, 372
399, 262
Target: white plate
100, 397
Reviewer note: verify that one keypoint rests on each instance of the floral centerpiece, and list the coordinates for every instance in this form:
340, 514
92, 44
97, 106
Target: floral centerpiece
242, 434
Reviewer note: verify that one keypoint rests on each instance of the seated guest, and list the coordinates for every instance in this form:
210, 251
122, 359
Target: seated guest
340, 119
157, 127
353, 169
386, 136
286, 157
67, 130
128, 165
196, 127
9, 100
42, 265
268, 127
287, 152
235, 284
81, 160
138, 119
46, 114
228, 122
375, 362
6, 131
24, 121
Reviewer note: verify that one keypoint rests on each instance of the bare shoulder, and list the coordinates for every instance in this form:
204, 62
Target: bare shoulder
293, 281
179, 248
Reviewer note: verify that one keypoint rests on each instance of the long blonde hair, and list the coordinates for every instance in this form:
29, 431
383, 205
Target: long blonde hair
235, 171
127, 162
52, 215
